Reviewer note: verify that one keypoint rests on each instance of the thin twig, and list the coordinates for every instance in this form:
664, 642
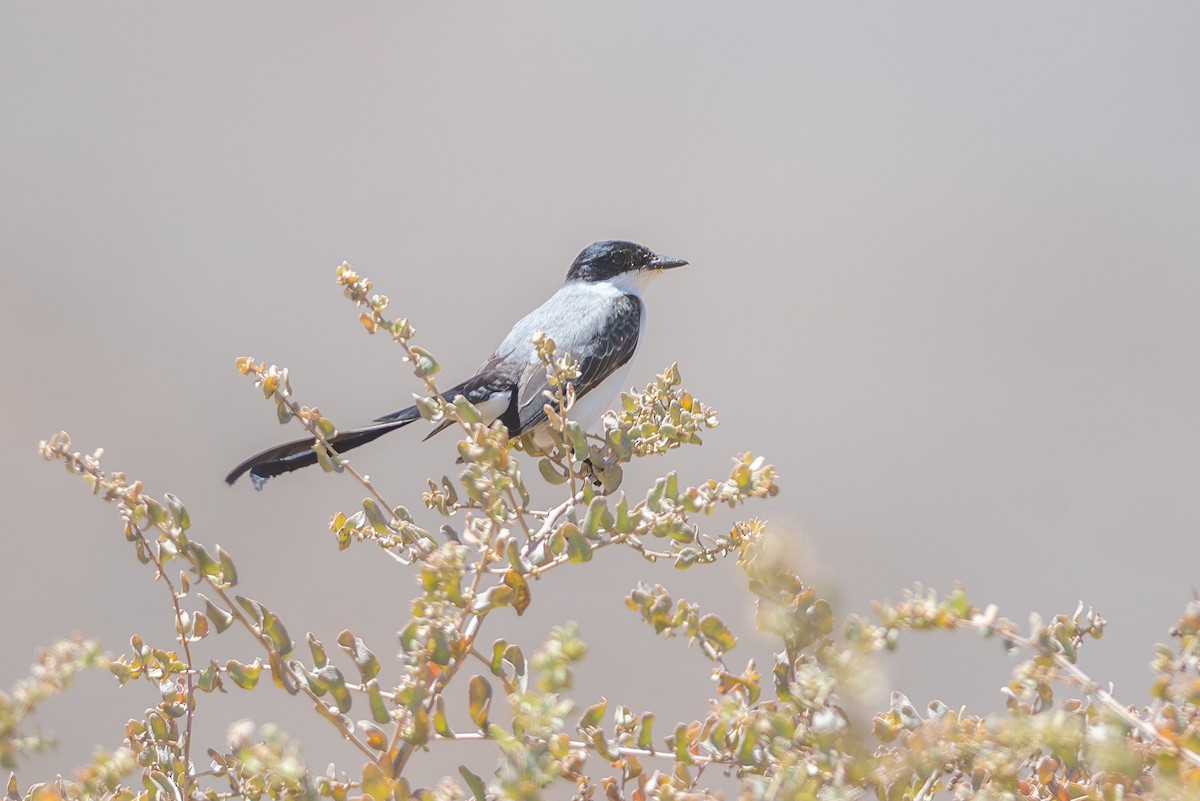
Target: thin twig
1178, 665
467, 634
181, 635
1090, 688
925, 793
300, 682
342, 462
520, 511
701, 759
128, 497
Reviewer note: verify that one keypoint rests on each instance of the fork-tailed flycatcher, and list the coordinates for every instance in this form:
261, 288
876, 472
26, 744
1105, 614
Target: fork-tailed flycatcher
596, 316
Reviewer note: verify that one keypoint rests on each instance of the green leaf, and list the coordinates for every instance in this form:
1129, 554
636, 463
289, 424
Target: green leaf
597, 518
220, 618
325, 458
428, 408
491, 598
577, 438
313, 681
410, 696
157, 514
273, 627
209, 678
244, 676
497, 655
140, 648
159, 784
556, 543
179, 514
684, 738
516, 658
199, 626
251, 607
441, 653
550, 473
520, 589
160, 727
424, 365
280, 673
282, 413
320, 658
375, 785
620, 443
713, 629
474, 782
603, 746
746, 749
368, 665
645, 738
686, 558
331, 678
466, 411
820, 616
403, 330
441, 724
418, 734
326, 427
379, 522
379, 709
578, 548
208, 567
623, 524
479, 696
229, 577
594, 714
654, 497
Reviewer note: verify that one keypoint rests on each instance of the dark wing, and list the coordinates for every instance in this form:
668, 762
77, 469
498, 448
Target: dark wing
597, 361
493, 389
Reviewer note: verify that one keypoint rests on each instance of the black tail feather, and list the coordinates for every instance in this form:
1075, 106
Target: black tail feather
293, 455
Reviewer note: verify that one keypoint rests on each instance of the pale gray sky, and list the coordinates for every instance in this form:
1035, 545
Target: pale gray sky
955, 245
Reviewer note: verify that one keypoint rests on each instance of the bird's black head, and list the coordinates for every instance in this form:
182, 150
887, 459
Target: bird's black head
600, 261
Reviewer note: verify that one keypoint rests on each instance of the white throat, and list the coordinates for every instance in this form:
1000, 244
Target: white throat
633, 282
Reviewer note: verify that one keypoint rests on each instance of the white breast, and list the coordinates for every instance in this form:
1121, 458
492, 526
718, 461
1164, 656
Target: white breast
590, 408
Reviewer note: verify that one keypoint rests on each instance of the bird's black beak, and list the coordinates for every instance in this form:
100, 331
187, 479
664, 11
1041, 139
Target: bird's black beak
665, 263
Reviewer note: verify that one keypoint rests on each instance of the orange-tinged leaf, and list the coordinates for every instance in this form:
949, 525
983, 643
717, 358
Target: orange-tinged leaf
479, 695
520, 587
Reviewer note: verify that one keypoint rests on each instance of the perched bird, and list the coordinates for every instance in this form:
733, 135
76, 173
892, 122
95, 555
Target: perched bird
596, 316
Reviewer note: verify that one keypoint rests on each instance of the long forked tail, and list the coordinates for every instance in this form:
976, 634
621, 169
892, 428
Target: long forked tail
293, 455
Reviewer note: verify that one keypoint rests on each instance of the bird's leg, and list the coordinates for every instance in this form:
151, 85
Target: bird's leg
589, 471
605, 475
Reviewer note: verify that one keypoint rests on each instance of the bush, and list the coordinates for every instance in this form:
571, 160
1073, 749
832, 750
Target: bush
779, 736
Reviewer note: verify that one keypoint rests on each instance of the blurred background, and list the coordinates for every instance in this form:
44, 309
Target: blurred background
943, 274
